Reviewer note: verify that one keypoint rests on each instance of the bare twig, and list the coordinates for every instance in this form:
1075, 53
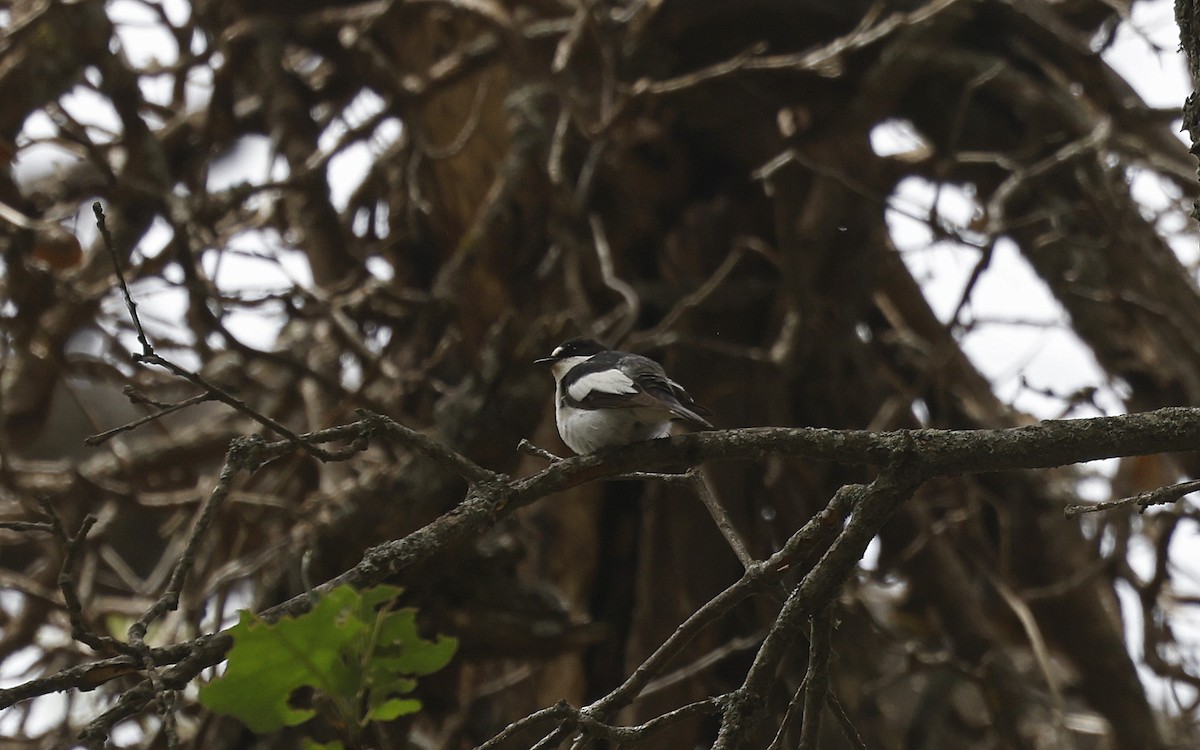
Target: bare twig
1041, 654
149, 356
849, 731
757, 577
102, 225
874, 504
570, 41
639, 733
1161, 496
377, 424
24, 526
826, 59
73, 546
107, 435
570, 718
1091, 143
699, 482
541, 718
66, 583
817, 678
82, 677
695, 299
633, 304
225, 397
722, 69
530, 449
716, 656
469, 128
557, 737
795, 708
241, 455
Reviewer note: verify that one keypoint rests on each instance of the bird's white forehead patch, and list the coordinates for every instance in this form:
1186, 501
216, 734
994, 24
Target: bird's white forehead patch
613, 382
557, 351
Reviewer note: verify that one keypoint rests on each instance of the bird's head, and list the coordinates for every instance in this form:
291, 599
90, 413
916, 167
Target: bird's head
570, 353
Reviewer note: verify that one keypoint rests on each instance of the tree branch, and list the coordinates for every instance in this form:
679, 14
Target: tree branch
911, 455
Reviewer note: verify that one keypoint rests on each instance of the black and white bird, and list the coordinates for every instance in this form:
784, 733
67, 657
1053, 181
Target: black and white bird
605, 397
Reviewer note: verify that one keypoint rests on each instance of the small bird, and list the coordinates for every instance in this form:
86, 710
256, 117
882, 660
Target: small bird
605, 397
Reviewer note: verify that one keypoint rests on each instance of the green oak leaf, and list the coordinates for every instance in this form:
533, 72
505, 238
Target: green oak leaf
269, 662
352, 648
402, 650
394, 708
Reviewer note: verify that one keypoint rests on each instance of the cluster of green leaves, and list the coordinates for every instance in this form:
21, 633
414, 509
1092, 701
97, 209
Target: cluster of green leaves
358, 654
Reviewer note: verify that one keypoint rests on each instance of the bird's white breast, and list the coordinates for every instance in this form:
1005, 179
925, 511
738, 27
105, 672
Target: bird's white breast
587, 430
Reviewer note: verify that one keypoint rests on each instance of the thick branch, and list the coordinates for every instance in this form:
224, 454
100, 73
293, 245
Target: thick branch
916, 454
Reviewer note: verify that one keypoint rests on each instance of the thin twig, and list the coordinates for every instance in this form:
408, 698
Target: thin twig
849, 731
102, 225
66, 583
570, 41
149, 356
557, 737
817, 678
794, 709
463, 466
529, 449
131, 702
80, 677
1041, 653
1161, 496
469, 128
639, 733
699, 482
242, 455
717, 655
225, 397
758, 577
107, 435
1091, 143
73, 548
873, 505
569, 718
695, 78
696, 298
543, 717
633, 304
24, 526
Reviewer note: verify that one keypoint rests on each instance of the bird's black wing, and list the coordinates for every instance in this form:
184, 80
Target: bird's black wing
616, 380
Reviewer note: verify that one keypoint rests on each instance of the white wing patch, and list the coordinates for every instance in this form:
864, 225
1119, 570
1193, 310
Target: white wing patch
613, 382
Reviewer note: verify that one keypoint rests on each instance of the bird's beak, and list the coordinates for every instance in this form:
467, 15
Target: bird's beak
545, 361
